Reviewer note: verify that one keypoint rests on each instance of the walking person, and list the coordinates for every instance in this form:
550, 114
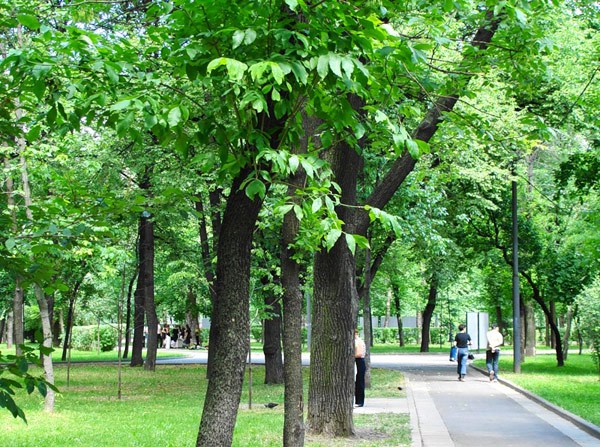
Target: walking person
492, 354
359, 358
463, 341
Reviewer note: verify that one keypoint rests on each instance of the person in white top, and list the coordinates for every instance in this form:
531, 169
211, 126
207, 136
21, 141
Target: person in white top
359, 358
492, 354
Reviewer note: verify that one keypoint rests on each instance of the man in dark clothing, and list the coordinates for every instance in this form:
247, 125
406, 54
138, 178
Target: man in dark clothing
462, 341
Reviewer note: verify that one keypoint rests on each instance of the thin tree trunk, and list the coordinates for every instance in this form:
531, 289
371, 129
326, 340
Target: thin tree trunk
554, 340
230, 325
47, 342
147, 271
191, 313
70, 315
128, 313
555, 332
398, 316
368, 330
388, 306
137, 358
569, 320
428, 314
530, 334
293, 425
10, 329
18, 307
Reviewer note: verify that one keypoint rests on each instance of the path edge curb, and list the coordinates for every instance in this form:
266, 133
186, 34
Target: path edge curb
586, 426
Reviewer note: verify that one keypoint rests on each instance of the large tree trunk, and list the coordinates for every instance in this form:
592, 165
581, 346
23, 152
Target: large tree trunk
272, 342
230, 324
331, 385
428, 314
137, 357
206, 253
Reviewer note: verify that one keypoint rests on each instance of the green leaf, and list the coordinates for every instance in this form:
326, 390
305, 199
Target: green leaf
256, 187
238, 38
174, 117
351, 242
335, 63
332, 238
10, 243
42, 388
250, 36
323, 65
413, 149
277, 72
121, 105
316, 205
299, 72
347, 66
294, 162
29, 21
33, 134
292, 4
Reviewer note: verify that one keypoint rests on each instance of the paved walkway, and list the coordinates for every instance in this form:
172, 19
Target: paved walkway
447, 413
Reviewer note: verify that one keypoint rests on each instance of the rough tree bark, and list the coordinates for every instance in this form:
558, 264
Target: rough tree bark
137, 358
272, 342
293, 425
334, 313
147, 272
230, 324
331, 385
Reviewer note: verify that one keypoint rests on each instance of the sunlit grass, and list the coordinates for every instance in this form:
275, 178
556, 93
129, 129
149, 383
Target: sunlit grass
163, 408
574, 387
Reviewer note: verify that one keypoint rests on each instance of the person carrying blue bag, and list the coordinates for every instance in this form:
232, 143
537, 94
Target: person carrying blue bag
453, 353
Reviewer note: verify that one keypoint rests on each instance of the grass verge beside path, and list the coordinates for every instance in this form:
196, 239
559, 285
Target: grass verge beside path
574, 387
95, 356
163, 408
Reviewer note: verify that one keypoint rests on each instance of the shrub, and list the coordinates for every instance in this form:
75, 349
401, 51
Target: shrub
85, 338
588, 303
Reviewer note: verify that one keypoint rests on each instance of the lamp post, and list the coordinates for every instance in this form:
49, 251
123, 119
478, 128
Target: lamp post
515, 284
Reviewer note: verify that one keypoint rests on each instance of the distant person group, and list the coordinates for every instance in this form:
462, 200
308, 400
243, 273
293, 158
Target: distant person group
460, 351
176, 337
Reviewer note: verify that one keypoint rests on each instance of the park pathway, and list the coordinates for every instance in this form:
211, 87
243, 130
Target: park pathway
447, 413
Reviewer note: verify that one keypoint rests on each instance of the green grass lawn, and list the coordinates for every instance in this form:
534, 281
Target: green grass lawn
95, 356
163, 408
574, 387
